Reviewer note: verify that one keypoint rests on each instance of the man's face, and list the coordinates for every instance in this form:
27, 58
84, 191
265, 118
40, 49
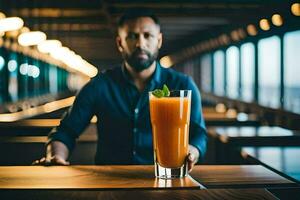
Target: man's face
139, 41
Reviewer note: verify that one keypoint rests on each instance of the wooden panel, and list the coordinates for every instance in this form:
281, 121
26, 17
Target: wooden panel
88, 177
238, 176
215, 194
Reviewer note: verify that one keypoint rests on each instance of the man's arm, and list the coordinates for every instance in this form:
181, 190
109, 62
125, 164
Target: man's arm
62, 139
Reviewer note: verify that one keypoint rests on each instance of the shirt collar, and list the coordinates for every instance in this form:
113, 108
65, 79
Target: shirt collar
156, 77
157, 73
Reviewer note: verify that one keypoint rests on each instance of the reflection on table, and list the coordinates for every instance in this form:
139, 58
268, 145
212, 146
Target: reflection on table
283, 159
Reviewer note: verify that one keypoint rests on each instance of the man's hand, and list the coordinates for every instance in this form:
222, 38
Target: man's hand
53, 160
193, 157
56, 154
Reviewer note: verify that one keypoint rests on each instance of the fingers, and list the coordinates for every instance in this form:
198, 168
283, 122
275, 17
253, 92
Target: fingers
191, 161
39, 162
54, 160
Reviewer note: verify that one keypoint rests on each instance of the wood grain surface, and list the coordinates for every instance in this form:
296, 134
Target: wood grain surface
211, 194
238, 176
87, 177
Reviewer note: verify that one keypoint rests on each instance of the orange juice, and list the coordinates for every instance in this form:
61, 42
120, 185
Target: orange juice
170, 119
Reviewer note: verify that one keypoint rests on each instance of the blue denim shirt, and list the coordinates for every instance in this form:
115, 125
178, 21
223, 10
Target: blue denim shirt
124, 128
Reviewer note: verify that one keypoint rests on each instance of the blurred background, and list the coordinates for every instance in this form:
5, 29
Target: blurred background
242, 54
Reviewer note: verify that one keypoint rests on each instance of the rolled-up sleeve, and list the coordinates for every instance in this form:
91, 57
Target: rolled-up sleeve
198, 135
77, 118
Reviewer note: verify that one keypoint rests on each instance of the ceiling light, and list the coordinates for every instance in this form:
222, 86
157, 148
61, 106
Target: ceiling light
295, 8
277, 20
235, 35
241, 33
61, 52
24, 29
264, 24
251, 29
166, 61
49, 46
11, 24
31, 38
2, 15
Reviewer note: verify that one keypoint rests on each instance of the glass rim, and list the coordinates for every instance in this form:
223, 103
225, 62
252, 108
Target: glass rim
173, 91
178, 93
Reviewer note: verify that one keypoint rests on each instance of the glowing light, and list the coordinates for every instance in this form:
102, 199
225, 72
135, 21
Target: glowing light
277, 20
11, 24
251, 29
61, 53
74, 61
231, 113
264, 24
2, 15
24, 29
12, 34
235, 35
49, 46
224, 39
242, 117
31, 38
220, 108
166, 61
30, 70
241, 32
30, 112
12, 65
2, 63
295, 8
35, 71
24, 68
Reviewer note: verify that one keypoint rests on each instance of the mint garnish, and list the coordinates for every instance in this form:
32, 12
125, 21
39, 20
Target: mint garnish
165, 92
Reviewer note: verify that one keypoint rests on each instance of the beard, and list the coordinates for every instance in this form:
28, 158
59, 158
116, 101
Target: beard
136, 62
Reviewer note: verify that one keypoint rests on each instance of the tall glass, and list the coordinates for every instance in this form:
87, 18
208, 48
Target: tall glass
170, 120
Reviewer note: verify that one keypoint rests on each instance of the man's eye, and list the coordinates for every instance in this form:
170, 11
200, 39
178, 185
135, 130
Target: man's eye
132, 36
147, 35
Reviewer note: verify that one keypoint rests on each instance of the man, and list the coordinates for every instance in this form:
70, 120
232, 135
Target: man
119, 99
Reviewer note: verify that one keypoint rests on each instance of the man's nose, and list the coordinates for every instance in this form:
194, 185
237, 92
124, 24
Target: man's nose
141, 41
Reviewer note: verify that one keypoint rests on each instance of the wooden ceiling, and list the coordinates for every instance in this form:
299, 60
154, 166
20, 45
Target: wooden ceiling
88, 27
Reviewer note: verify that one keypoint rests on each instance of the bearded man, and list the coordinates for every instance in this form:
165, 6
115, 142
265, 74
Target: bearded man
119, 99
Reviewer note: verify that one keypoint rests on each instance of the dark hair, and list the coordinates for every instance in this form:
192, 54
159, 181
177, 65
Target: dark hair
137, 13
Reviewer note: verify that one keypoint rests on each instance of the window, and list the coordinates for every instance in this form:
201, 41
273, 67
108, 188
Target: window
53, 79
232, 64
247, 71
292, 71
206, 72
219, 67
269, 71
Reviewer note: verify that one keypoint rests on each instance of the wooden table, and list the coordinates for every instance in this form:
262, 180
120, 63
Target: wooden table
139, 176
85, 176
182, 194
283, 159
226, 142
136, 182
238, 176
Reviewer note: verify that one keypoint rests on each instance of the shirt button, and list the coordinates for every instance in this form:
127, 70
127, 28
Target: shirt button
135, 130
134, 152
136, 111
